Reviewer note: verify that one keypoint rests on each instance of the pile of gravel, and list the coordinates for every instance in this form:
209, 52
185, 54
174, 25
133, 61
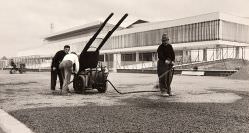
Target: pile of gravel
242, 74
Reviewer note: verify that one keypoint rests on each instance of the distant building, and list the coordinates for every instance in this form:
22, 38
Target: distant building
3, 62
4, 58
205, 37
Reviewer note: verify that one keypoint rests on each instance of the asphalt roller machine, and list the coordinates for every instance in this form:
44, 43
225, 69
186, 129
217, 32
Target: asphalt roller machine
92, 73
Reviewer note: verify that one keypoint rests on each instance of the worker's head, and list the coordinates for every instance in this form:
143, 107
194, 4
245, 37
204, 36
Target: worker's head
67, 48
165, 38
73, 53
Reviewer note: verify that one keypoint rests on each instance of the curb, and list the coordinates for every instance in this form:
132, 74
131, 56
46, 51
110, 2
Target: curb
9, 124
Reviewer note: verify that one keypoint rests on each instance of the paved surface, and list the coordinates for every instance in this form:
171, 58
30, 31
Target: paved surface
201, 104
9, 124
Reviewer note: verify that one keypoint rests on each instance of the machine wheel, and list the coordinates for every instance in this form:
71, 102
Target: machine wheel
79, 84
12, 71
20, 71
103, 88
100, 81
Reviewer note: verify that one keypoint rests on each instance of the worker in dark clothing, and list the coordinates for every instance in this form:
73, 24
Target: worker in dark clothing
166, 56
12, 63
55, 67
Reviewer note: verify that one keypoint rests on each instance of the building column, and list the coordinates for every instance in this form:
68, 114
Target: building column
116, 61
204, 54
243, 52
154, 59
237, 52
217, 52
185, 56
137, 56
154, 56
104, 57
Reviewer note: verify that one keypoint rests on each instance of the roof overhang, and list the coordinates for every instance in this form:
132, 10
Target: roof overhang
184, 21
74, 30
180, 46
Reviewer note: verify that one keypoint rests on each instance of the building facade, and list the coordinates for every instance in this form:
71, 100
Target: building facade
206, 37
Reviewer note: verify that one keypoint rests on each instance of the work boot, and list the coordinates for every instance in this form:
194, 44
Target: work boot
66, 92
171, 94
169, 91
53, 91
164, 94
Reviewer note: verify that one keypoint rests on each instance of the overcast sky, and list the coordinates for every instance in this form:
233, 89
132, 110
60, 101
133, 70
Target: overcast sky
23, 23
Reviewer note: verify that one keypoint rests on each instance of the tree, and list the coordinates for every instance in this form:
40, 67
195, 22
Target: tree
4, 58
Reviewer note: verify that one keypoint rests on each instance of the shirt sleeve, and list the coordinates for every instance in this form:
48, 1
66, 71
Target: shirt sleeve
54, 60
76, 63
160, 53
173, 54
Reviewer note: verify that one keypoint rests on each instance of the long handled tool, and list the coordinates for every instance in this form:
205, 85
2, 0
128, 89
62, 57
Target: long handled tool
156, 86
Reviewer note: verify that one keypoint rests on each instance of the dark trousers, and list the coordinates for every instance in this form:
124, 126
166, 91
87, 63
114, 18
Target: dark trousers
54, 78
164, 79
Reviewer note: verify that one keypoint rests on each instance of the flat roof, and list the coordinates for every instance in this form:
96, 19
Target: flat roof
75, 29
157, 25
184, 21
180, 46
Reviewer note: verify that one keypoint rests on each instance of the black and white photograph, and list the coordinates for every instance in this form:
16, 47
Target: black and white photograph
124, 66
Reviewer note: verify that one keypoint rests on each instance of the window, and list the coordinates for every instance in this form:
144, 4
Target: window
128, 57
101, 57
145, 56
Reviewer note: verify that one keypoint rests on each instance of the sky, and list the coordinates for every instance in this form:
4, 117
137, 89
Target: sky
24, 23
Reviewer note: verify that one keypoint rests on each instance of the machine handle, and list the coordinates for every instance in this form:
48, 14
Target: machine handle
89, 43
110, 32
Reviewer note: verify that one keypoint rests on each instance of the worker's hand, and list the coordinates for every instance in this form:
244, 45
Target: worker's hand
53, 68
173, 63
74, 72
167, 61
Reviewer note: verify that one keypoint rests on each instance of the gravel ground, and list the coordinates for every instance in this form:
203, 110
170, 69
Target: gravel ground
201, 104
141, 115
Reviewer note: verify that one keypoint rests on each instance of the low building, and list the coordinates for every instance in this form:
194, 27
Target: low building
206, 37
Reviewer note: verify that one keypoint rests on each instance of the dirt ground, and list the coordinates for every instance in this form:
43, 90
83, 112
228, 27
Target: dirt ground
31, 90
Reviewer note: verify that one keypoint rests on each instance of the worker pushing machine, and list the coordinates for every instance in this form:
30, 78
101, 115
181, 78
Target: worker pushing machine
66, 68
166, 56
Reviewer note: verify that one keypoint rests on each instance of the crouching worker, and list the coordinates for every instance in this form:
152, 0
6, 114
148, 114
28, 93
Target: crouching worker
166, 56
66, 68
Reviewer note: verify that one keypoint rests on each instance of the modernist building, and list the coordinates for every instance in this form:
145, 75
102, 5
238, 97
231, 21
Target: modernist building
205, 37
